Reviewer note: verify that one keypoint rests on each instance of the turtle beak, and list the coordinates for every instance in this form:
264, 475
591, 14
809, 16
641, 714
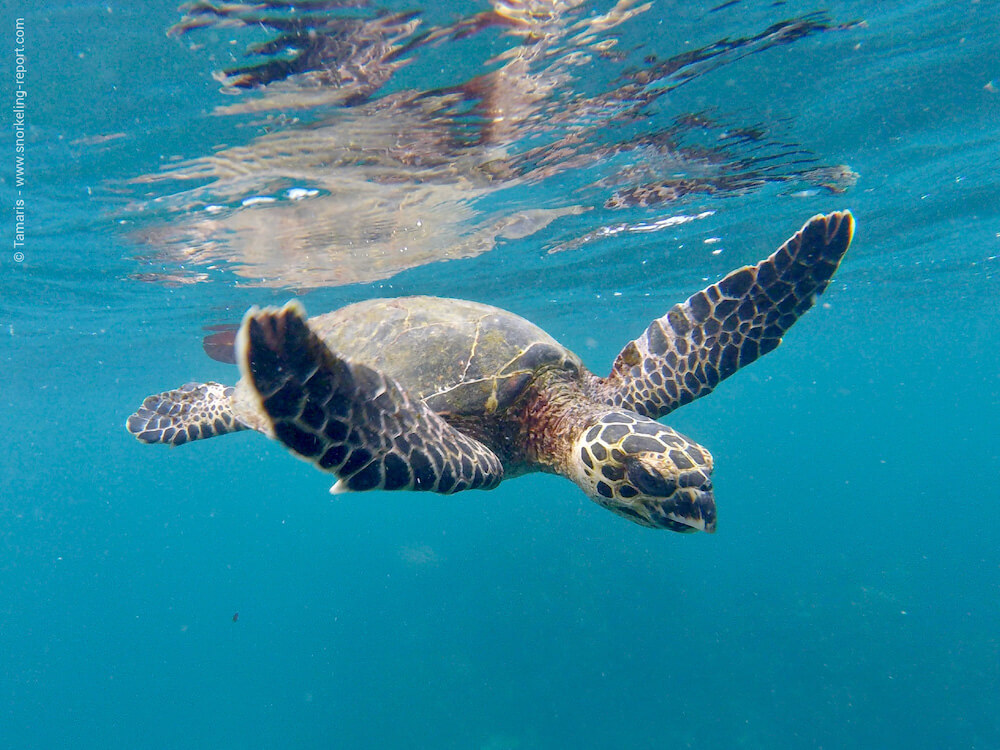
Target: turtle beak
692, 507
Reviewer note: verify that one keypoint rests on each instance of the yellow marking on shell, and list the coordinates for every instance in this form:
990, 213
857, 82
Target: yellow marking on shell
472, 354
492, 402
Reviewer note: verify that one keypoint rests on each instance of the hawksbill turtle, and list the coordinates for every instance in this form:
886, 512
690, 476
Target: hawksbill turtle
442, 395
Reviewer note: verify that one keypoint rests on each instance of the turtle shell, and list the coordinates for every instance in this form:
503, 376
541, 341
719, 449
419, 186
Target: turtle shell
462, 358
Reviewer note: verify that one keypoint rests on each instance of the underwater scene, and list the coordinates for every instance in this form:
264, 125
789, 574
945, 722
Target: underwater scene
509, 469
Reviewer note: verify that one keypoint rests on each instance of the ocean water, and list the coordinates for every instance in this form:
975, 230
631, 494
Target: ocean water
587, 169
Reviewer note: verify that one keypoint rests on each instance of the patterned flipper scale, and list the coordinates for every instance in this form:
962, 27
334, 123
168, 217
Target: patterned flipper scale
191, 412
702, 341
349, 419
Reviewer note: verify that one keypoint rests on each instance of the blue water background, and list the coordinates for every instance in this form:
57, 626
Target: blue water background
850, 598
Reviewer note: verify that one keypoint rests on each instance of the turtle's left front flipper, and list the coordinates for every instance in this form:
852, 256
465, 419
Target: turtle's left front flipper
702, 341
349, 419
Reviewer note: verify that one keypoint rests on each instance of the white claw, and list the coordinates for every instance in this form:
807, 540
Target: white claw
339, 487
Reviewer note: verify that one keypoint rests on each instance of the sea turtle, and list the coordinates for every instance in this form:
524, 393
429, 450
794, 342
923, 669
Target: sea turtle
424, 393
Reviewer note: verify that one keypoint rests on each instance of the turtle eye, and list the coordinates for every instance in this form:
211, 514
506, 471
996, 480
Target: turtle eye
647, 480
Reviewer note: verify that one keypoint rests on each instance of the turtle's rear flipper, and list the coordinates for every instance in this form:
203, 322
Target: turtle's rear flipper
728, 325
191, 412
349, 419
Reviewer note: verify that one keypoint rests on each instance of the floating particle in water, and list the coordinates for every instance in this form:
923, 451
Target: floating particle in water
420, 555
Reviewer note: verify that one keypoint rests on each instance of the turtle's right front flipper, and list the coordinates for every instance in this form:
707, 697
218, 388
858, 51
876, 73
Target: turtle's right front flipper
349, 419
728, 325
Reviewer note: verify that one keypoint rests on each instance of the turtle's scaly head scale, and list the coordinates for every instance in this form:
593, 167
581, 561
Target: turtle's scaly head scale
646, 472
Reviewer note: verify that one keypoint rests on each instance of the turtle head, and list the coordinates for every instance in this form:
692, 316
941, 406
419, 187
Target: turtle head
646, 472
